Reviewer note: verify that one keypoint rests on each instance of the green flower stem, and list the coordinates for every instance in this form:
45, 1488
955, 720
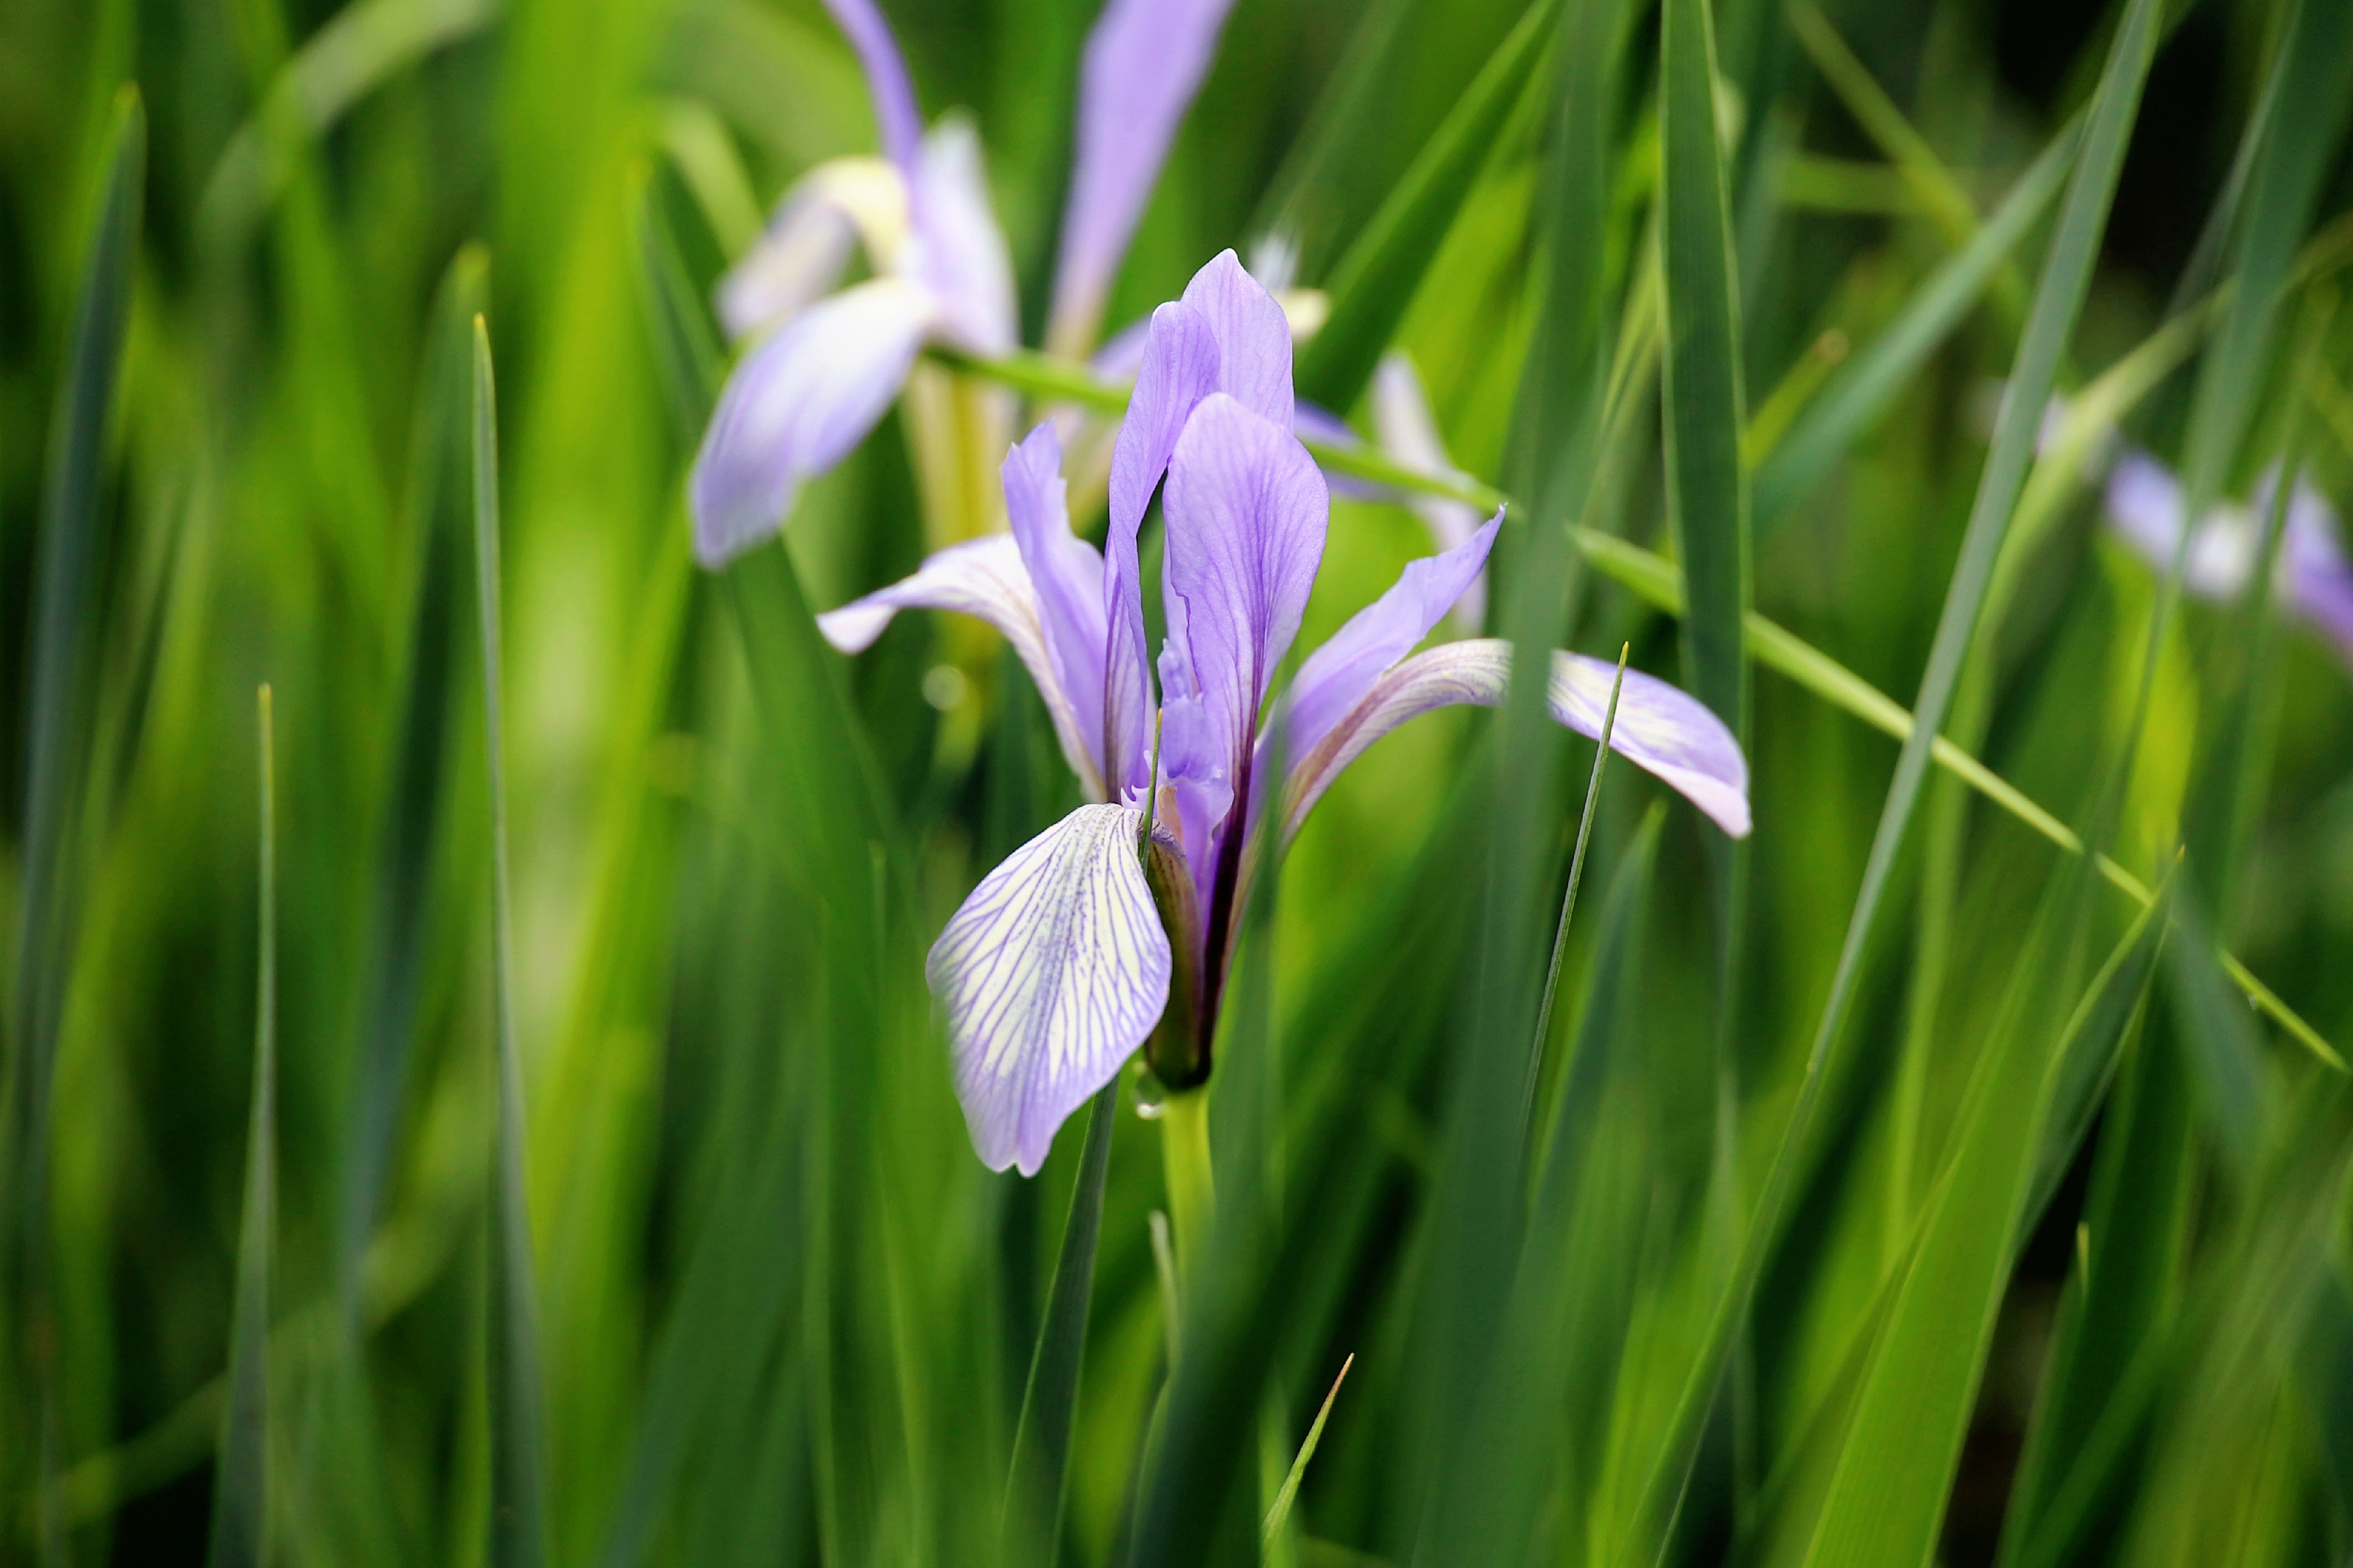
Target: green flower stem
1185, 1157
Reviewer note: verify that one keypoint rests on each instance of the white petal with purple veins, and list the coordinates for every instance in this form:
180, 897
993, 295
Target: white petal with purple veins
1050, 975
797, 405
1660, 728
984, 578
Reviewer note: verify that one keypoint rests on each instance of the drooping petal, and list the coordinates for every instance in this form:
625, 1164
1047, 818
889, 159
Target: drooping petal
1660, 728
1401, 419
797, 405
1066, 573
1050, 975
958, 251
895, 115
984, 578
801, 253
1145, 61
1340, 672
1246, 512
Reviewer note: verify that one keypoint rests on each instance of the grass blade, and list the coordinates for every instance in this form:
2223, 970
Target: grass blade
1860, 388
1375, 280
1569, 898
1042, 1442
65, 611
2059, 297
518, 1462
1280, 1514
438, 508
240, 1522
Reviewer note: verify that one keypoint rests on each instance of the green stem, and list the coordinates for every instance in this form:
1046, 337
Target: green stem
1185, 1157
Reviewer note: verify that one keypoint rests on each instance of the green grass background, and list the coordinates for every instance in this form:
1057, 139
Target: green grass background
2019, 1238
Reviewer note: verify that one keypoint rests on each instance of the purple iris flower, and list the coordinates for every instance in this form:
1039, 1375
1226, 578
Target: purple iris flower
2314, 581
825, 365
1062, 963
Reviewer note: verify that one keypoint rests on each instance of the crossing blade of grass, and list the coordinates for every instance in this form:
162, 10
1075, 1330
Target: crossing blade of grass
1543, 1035
2059, 296
240, 1522
438, 520
518, 1527
1707, 507
1280, 1514
685, 339
1377, 277
65, 612
1042, 1441
1862, 388
1887, 1498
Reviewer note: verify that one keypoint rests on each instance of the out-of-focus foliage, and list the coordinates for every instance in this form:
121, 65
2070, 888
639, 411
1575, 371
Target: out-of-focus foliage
2013, 1236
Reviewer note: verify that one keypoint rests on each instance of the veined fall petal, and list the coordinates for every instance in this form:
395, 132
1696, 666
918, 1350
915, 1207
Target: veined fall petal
1054, 972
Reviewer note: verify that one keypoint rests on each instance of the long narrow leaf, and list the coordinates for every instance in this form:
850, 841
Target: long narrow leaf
518, 1530
2059, 297
240, 1522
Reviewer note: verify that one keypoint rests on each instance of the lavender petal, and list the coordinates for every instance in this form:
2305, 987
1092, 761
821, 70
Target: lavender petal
797, 405
984, 578
1145, 61
958, 251
1054, 972
895, 116
1246, 512
1407, 433
1338, 674
1660, 728
1066, 573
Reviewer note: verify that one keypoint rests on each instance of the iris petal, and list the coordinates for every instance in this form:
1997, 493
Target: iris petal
797, 405
959, 252
1340, 672
1050, 975
1407, 433
800, 254
984, 578
1660, 728
1145, 61
895, 115
1066, 573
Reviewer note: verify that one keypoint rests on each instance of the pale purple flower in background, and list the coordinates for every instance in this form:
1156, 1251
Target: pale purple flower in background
1060, 965
2313, 579
824, 366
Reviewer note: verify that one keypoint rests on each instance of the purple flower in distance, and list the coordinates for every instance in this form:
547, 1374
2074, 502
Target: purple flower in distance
824, 366
2313, 580
1062, 963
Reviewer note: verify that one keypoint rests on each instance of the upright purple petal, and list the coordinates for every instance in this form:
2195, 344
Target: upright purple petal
1253, 334
1145, 61
1050, 975
958, 251
986, 579
1068, 574
1660, 728
895, 116
797, 405
1402, 420
1340, 672
1246, 512
1179, 367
